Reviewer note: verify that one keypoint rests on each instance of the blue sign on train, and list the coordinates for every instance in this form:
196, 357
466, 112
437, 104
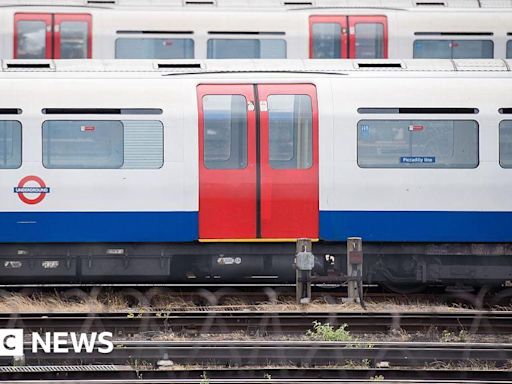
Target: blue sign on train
417, 159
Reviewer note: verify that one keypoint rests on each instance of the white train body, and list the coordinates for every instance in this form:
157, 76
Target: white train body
397, 29
438, 192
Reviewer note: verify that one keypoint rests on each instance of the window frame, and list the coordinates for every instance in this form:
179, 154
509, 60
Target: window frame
145, 37
499, 144
213, 165
294, 134
258, 39
411, 166
20, 147
451, 41
76, 121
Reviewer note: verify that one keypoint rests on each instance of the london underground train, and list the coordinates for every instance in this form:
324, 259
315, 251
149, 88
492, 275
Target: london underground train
250, 29
209, 171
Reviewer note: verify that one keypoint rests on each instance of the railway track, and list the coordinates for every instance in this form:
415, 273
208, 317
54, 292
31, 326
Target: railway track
287, 375
260, 323
297, 353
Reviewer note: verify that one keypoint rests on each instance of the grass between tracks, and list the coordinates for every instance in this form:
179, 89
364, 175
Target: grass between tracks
123, 301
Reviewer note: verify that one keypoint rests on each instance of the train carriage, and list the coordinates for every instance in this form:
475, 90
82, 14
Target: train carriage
266, 29
198, 171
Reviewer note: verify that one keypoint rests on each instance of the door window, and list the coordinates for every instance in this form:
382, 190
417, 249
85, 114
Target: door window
73, 39
290, 131
225, 131
326, 40
31, 39
369, 42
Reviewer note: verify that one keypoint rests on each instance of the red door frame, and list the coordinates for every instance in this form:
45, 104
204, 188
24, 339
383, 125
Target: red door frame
59, 18
353, 20
341, 20
289, 197
45, 17
227, 197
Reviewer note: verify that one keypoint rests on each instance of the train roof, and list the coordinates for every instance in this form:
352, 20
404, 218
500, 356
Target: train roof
150, 68
269, 4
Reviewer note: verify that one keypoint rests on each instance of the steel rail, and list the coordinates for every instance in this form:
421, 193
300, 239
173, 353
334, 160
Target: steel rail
259, 322
263, 353
287, 375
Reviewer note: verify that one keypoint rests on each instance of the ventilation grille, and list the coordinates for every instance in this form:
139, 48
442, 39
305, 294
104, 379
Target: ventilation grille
379, 65
200, 2
430, 3
298, 3
178, 66
28, 66
101, 2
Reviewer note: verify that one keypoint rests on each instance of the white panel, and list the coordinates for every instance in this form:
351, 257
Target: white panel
143, 144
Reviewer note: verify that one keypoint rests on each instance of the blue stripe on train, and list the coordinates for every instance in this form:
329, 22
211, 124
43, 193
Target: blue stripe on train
183, 226
98, 226
417, 226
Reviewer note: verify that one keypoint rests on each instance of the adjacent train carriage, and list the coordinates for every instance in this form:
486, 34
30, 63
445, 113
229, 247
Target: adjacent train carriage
266, 29
209, 171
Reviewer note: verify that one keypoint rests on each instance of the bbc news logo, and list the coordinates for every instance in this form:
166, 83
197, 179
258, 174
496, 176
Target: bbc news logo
11, 342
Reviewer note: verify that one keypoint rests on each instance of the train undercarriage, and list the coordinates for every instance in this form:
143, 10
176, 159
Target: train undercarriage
455, 265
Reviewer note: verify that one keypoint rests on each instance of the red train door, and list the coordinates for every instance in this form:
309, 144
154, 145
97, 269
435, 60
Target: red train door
289, 161
72, 36
33, 36
328, 37
341, 37
368, 37
227, 162
52, 36
258, 161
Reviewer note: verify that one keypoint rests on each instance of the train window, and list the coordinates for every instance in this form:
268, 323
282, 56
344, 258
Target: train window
246, 49
73, 39
225, 131
83, 144
369, 40
290, 131
147, 48
506, 143
453, 49
509, 49
109, 144
10, 144
326, 40
417, 144
31, 39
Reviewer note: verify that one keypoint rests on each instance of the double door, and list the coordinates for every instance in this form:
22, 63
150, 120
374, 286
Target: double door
258, 161
343, 37
52, 36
